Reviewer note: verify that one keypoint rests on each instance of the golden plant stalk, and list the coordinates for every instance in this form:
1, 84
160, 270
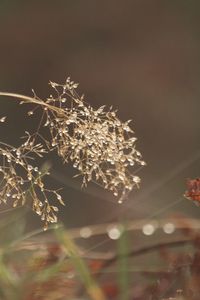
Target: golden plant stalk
99, 145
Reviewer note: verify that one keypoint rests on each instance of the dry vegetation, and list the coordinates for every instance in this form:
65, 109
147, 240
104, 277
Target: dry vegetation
95, 141
102, 149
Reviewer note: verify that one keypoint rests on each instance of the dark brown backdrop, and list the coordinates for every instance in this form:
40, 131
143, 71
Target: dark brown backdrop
142, 57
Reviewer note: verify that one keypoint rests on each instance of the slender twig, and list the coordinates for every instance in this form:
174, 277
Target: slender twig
30, 100
141, 251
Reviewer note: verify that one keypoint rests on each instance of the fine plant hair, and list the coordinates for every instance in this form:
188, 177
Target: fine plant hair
97, 143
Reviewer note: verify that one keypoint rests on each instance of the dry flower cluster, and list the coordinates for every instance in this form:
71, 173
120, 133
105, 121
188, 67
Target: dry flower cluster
95, 141
21, 181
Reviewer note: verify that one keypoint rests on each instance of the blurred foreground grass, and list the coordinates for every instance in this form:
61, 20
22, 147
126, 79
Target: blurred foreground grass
50, 265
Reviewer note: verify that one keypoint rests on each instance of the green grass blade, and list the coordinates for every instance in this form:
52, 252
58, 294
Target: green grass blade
93, 290
123, 265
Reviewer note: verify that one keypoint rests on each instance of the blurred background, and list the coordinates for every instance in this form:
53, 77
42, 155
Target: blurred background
142, 57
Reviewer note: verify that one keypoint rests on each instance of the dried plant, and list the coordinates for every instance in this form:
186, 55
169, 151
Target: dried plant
193, 191
99, 145
21, 181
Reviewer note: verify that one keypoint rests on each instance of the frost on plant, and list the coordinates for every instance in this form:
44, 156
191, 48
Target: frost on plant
97, 143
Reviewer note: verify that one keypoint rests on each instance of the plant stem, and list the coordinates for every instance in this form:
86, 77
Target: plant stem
93, 290
141, 251
30, 100
123, 251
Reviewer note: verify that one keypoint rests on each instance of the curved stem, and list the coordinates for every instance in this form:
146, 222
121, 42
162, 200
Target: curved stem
141, 251
30, 100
